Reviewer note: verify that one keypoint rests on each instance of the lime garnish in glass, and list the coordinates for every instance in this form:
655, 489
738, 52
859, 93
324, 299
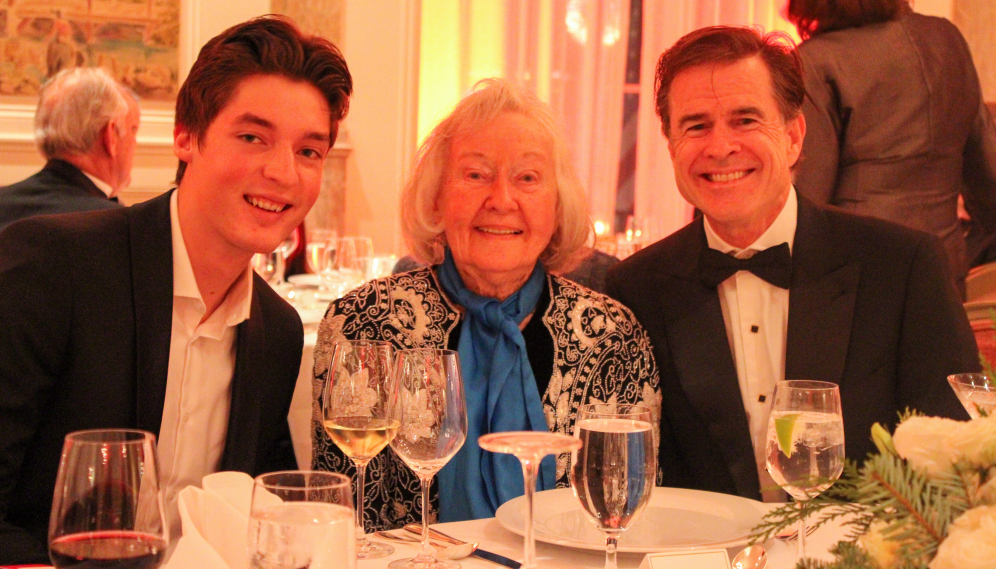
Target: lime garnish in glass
784, 426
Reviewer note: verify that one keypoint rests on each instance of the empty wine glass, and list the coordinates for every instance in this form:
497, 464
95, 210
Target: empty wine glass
805, 441
976, 392
433, 415
300, 518
266, 265
614, 471
529, 447
358, 417
108, 510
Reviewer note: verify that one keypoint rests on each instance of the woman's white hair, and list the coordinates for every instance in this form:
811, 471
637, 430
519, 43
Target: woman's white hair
421, 226
74, 106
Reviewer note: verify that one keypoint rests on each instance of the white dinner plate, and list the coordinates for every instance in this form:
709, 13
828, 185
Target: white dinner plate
305, 279
675, 520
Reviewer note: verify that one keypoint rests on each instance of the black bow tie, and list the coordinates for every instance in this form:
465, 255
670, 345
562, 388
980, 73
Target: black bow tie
774, 265
114, 199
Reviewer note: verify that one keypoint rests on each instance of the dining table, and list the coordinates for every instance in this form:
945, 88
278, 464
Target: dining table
491, 536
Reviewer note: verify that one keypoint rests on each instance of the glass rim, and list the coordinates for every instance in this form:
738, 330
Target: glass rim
340, 480
131, 437
970, 375
810, 384
361, 341
439, 351
642, 408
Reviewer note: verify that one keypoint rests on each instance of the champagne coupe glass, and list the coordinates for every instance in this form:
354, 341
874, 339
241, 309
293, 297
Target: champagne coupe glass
613, 473
108, 510
976, 391
300, 518
529, 447
358, 416
805, 442
433, 414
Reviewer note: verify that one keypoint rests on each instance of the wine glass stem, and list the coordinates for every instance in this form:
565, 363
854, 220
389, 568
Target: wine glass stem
361, 534
530, 465
800, 553
426, 554
611, 541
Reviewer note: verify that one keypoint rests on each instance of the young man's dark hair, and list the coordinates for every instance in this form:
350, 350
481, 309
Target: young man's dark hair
269, 45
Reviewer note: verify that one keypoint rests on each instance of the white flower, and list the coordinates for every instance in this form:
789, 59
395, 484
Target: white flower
881, 550
975, 441
923, 442
971, 541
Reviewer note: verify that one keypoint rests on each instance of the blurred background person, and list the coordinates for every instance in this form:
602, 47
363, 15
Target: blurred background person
85, 126
495, 208
896, 124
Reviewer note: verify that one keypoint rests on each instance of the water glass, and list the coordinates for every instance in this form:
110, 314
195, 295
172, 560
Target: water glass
301, 518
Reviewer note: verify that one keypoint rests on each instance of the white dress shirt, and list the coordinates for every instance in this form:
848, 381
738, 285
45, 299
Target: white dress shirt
756, 316
199, 379
101, 185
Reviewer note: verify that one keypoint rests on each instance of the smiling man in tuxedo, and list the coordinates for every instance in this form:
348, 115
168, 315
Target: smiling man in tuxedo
150, 317
767, 286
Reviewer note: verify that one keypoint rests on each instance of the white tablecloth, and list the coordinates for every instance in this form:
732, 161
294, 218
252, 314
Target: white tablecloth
496, 539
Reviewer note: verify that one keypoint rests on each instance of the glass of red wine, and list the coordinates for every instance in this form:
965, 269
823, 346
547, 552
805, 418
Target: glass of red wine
107, 510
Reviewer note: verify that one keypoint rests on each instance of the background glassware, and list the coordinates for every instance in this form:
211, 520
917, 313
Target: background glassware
529, 447
613, 473
318, 240
284, 250
266, 264
358, 416
433, 416
805, 442
300, 518
976, 392
107, 510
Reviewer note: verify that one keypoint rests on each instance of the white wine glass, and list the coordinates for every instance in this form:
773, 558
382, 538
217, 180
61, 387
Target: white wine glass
108, 509
529, 447
357, 416
318, 240
300, 518
613, 473
805, 441
433, 415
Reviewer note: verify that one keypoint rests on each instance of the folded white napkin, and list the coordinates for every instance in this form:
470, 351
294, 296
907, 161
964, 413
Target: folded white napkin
215, 522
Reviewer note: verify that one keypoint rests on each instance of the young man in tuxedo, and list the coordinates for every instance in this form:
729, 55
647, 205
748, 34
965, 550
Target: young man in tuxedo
150, 317
767, 286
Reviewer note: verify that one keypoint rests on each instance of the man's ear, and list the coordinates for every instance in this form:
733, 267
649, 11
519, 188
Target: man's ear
183, 143
110, 139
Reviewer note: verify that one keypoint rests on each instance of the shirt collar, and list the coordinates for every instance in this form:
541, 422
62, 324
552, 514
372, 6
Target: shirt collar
101, 185
781, 230
238, 300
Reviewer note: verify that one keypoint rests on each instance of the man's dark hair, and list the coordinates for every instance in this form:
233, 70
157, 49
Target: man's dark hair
815, 17
268, 45
727, 45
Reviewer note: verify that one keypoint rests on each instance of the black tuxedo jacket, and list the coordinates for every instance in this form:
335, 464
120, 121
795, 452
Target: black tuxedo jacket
871, 308
85, 323
59, 187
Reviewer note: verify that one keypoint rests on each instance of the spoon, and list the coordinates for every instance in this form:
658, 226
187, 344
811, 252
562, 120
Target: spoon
751, 557
451, 553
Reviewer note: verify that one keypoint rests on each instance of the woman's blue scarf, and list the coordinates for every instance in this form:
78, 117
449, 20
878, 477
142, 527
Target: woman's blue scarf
501, 396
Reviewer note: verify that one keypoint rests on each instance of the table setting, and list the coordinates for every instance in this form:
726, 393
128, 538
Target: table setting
928, 499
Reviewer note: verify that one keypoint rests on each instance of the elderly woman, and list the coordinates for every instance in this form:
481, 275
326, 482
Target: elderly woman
494, 207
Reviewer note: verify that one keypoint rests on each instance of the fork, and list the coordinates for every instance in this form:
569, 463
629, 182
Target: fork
792, 534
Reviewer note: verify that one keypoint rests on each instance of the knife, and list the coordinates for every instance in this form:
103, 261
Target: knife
486, 555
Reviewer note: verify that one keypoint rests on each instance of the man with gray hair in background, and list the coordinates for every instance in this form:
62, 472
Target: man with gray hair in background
85, 127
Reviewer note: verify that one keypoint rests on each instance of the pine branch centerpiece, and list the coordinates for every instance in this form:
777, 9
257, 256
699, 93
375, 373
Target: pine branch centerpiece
927, 500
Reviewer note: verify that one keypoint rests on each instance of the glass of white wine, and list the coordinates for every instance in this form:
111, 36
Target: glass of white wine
300, 518
529, 447
613, 473
433, 415
805, 442
358, 416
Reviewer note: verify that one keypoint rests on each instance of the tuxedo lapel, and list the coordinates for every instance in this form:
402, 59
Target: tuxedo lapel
242, 438
821, 300
700, 349
151, 246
